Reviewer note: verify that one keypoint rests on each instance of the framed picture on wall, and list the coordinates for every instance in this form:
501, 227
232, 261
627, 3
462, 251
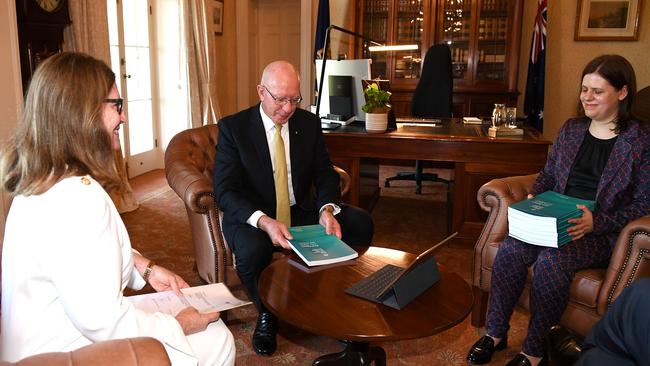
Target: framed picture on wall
217, 16
607, 20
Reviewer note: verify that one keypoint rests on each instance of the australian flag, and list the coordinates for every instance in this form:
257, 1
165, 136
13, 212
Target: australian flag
534, 99
322, 22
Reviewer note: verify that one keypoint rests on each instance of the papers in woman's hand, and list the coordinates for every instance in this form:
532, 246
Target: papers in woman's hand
205, 299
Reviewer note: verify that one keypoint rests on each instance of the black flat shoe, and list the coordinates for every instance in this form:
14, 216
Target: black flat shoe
521, 360
264, 342
481, 352
564, 348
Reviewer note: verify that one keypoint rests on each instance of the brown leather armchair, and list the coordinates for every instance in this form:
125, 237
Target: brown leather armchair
592, 290
189, 166
118, 352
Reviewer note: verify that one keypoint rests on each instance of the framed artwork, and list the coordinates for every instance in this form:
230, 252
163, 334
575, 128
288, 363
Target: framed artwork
607, 20
217, 16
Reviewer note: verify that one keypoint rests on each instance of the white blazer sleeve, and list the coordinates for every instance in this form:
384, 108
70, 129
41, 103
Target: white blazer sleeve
90, 267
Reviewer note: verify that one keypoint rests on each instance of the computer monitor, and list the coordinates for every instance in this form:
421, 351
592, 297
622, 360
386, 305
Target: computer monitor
358, 69
340, 89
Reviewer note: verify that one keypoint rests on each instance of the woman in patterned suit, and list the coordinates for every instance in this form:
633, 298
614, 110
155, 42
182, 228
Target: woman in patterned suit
604, 155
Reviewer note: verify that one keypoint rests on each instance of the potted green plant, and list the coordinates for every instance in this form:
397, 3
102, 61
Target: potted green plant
376, 108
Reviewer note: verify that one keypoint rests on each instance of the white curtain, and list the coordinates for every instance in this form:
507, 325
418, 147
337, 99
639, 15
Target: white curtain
88, 33
204, 106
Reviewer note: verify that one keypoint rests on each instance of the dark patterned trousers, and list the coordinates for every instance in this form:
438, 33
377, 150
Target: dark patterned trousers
554, 270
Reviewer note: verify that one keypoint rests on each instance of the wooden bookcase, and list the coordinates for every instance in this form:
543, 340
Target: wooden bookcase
484, 37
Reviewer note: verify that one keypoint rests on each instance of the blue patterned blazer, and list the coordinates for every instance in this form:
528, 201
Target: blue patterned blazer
623, 192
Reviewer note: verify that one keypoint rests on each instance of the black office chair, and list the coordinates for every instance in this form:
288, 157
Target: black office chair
432, 99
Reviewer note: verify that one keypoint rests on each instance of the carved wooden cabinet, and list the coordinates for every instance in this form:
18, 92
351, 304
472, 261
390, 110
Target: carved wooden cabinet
40, 32
484, 37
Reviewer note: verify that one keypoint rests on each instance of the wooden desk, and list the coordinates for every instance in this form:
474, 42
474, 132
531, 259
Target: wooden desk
315, 301
477, 159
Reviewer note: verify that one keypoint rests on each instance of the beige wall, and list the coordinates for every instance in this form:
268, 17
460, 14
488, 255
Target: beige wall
226, 61
565, 59
11, 92
341, 14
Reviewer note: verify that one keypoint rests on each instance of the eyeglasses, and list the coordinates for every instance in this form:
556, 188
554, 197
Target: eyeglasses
284, 100
119, 103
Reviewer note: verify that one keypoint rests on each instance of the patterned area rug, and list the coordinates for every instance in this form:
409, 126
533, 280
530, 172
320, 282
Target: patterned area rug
403, 220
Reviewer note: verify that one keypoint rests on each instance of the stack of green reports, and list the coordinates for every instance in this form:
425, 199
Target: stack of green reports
543, 220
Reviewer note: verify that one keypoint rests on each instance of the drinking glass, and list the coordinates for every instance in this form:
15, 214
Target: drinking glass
511, 117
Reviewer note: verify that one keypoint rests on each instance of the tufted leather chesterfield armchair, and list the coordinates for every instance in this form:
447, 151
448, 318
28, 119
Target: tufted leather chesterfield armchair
189, 166
120, 352
592, 290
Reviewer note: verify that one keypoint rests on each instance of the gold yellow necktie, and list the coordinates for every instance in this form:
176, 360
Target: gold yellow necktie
283, 212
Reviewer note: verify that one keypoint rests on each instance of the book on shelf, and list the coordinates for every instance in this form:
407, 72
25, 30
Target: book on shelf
543, 219
206, 298
316, 248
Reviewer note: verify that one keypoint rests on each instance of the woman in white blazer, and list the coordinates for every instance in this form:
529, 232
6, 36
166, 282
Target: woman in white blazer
66, 253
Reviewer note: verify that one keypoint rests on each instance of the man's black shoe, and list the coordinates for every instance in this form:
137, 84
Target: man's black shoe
264, 336
564, 348
481, 352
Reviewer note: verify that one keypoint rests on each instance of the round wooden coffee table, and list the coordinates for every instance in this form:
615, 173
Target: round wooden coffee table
313, 299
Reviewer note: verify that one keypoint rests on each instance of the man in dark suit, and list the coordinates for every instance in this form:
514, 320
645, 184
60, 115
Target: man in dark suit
269, 157
622, 336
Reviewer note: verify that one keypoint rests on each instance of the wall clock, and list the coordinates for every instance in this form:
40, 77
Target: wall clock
40, 32
49, 5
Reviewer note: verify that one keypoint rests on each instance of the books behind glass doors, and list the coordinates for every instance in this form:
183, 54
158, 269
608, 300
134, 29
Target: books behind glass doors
315, 247
543, 220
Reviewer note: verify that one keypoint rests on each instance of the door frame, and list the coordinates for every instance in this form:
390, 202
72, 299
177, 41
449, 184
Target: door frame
152, 159
244, 85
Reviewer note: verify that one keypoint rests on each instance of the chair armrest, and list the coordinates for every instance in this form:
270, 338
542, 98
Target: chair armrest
345, 180
130, 351
630, 260
188, 167
194, 188
494, 197
500, 193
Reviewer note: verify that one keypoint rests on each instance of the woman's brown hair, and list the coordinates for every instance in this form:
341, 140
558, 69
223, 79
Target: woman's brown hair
61, 132
618, 71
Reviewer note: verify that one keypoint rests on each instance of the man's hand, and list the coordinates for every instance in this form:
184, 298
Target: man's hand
277, 231
192, 321
328, 221
583, 225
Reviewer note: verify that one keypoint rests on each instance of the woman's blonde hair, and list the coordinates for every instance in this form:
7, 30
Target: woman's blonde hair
61, 131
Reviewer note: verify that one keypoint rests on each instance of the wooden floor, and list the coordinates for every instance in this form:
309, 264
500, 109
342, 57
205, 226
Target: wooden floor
146, 184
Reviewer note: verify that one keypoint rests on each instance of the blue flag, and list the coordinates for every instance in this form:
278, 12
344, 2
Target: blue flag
322, 22
534, 99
